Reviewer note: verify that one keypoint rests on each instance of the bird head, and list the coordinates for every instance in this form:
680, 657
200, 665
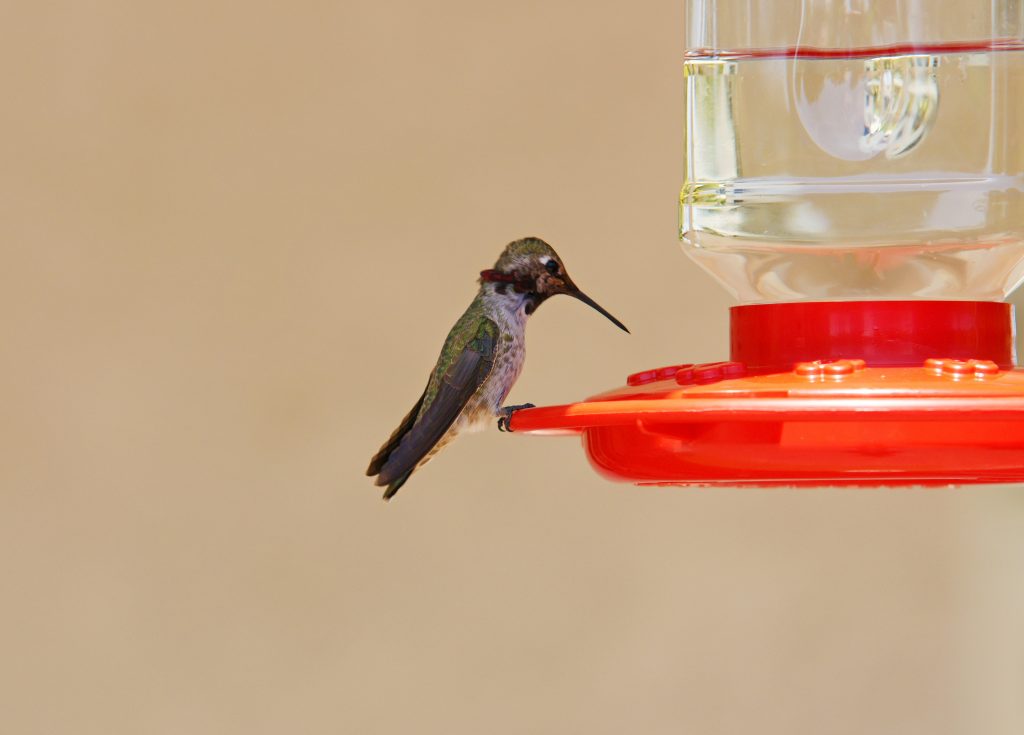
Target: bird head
532, 267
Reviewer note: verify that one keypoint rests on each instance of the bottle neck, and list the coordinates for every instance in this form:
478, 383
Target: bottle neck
772, 337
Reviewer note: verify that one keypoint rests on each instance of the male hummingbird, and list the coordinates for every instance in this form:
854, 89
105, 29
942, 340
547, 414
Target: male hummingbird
480, 360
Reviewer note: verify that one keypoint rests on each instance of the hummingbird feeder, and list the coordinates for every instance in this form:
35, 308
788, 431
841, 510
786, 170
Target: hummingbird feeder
854, 179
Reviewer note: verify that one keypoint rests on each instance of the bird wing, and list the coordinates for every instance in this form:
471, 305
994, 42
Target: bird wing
396, 436
416, 436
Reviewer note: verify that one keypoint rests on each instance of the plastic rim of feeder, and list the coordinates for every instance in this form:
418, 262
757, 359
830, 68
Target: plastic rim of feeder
819, 393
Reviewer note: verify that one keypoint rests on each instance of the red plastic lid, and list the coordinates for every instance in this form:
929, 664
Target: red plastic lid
771, 337
832, 418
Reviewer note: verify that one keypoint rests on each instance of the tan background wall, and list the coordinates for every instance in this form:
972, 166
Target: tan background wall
233, 238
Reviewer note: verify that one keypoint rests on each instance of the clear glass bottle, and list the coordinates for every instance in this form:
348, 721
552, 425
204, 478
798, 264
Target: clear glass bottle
855, 149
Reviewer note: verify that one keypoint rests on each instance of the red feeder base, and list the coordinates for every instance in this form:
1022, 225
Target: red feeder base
838, 393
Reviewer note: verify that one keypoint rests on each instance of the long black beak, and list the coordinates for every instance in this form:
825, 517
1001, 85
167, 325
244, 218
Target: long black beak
577, 294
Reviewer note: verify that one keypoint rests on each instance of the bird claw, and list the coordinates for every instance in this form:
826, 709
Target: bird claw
505, 419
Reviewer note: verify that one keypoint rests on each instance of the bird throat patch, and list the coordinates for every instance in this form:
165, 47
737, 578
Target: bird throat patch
519, 283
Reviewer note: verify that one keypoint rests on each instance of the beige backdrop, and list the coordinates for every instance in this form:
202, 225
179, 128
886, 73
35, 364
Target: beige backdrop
234, 236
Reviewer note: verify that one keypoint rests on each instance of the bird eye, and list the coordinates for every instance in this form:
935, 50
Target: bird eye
552, 266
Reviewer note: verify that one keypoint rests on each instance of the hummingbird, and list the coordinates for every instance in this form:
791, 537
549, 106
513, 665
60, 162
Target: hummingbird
480, 360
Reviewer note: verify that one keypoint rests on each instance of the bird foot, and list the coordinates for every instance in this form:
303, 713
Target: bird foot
505, 417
